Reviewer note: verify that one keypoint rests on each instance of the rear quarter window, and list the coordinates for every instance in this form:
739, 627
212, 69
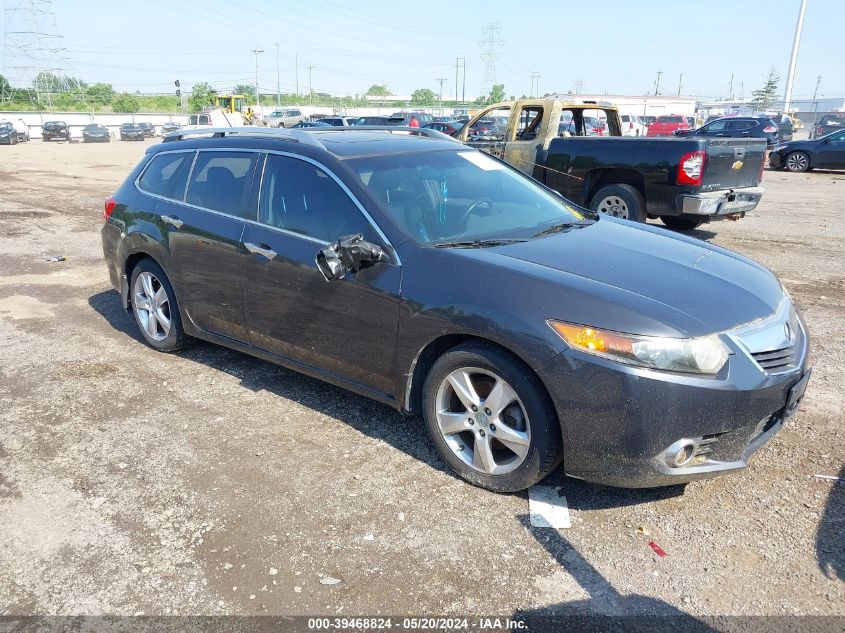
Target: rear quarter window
220, 180
167, 174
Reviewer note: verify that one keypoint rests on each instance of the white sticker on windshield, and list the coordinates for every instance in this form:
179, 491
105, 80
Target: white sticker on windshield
482, 160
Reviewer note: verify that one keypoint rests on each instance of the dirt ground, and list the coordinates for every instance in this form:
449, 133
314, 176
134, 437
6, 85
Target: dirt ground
209, 482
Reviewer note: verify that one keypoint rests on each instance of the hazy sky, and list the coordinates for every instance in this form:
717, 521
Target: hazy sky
613, 45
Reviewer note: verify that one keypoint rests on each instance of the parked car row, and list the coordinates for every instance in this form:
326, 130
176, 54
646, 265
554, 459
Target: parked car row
17, 131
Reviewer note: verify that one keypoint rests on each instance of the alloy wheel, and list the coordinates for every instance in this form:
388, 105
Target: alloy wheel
483, 421
615, 206
152, 306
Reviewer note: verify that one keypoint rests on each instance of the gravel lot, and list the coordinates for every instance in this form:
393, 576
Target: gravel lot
210, 482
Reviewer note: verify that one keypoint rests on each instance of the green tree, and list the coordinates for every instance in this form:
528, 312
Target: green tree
202, 94
763, 98
497, 93
247, 91
378, 90
100, 94
423, 97
126, 103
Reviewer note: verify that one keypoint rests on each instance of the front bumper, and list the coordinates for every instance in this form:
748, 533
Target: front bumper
722, 202
618, 422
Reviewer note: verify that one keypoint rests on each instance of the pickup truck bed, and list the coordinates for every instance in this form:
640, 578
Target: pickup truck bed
578, 167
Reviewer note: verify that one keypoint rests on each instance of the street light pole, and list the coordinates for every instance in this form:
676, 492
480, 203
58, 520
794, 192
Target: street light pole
787, 96
257, 51
278, 81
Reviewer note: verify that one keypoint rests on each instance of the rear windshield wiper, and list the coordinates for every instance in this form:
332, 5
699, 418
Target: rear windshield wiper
559, 228
479, 243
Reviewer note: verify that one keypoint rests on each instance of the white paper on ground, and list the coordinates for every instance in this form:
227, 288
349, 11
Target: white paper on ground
548, 508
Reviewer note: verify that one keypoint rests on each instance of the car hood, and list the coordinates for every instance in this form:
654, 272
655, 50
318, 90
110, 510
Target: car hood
700, 288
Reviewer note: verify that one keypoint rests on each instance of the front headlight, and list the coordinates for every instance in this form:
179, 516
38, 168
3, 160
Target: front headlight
701, 355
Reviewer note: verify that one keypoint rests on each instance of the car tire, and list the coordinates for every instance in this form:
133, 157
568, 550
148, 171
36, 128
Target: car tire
621, 201
528, 419
157, 316
797, 162
681, 222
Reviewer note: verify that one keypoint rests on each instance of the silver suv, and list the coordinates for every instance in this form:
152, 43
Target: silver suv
284, 118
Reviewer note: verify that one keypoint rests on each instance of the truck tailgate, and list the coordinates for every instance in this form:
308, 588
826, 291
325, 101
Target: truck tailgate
733, 163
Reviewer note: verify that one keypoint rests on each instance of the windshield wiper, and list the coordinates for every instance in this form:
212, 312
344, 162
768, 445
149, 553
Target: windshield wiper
479, 243
559, 228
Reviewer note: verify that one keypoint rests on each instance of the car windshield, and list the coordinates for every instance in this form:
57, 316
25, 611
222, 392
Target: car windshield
460, 196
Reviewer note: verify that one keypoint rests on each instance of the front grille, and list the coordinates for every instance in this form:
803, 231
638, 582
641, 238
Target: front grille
776, 359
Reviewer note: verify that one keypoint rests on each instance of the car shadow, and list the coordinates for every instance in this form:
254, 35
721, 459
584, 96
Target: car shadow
605, 609
366, 416
831, 533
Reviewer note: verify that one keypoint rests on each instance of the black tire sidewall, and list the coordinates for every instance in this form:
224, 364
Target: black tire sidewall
545, 451
176, 339
632, 197
680, 223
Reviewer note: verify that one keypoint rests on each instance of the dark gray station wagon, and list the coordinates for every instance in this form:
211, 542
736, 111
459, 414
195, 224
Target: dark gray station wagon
407, 267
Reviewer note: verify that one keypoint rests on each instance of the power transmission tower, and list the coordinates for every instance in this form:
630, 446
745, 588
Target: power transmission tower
491, 43
32, 45
579, 85
257, 52
680, 83
657, 83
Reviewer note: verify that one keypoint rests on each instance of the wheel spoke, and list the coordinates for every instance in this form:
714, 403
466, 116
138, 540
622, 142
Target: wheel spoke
516, 441
451, 423
461, 382
147, 283
141, 302
160, 297
163, 320
500, 397
149, 323
482, 456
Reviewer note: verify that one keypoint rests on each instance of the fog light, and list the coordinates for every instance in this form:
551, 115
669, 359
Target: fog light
680, 453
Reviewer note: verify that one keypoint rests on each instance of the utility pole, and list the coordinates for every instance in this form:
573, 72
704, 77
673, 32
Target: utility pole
535, 77
680, 83
257, 52
441, 80
310, 90
278, 81
731, 89
816, 103
456, 78
296, 63
742, 91
657, 83
464, 76
787, 95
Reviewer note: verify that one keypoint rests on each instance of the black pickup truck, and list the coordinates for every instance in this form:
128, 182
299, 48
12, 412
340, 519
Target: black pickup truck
578, 150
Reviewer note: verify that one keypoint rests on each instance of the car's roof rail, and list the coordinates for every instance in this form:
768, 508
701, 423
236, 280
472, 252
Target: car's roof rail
404, 129
220, 132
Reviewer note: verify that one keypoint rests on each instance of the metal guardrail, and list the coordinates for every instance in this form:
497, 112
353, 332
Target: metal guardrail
306, 136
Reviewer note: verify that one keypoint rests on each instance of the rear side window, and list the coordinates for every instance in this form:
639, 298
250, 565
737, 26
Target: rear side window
740, 125
167, 174
220, 181
300, 197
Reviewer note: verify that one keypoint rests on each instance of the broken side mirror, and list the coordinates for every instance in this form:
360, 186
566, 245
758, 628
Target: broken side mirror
349, 253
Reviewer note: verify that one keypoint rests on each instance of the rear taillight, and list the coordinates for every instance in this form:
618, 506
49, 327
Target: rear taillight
631, 126
769, 129
691, 168
111, 203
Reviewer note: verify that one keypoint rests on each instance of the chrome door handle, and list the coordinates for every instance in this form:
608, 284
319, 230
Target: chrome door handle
260, 250
176, 223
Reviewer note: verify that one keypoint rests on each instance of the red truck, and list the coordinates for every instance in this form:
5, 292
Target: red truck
665, 125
